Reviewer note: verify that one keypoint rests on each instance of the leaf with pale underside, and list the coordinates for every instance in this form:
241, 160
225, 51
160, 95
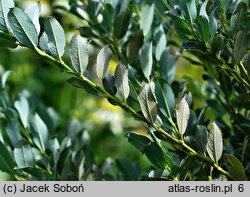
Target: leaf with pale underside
102, 63
182, 115
147, 102
5, 6
215, 144
56, 37
79, 53
34, 11
22, 28
121, 81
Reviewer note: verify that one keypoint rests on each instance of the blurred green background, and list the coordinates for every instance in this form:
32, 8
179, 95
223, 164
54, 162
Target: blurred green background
106, 124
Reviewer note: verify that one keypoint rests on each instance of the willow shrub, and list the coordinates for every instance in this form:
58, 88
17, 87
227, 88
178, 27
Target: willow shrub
147, 38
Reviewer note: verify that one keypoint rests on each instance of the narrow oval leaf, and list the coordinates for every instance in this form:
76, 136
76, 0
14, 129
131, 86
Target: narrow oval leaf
157, 157
14, 132
56, 37
238, 18
79, 53
121, 81
121, 22
215, 144
203, 9
41, 134
34, 11
23, 155
5, 6
102, 63
139, 141
146, 59
167, 66
147, 16
240, 47
161, 42
201, 138
182, 115
22, 106
23, 28
43, 43
6, 161
165, 97
188, 9
235, 168
147, 102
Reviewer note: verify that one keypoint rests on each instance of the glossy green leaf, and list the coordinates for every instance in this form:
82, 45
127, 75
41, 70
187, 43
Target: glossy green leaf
102, 63
238, 18
240, 46
147, 102
23, 28
182, 115
22, 106
235, 168
186, 166
157, 157
5, 6
109, 84
147, 16
34, 11
121, 81
6, 161
201, 138
165, 97
13, 132
146, 59
161, 42
56, 37
139, 141
4, 77
79, 53
167, 66
203, 9
203, 28
212, 25
131, 172
23, 155
188, 9
40, 134
121, 22
215, 143
134, 45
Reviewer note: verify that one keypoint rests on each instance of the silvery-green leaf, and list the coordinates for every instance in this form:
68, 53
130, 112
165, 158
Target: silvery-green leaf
147, 16
147, 102
22, 106
34, 11
188, 8
102, 63
5, 77
56, 36
165, 97
13, 132
203, 9
121, 81
23, 155
23, 28
182, 115
43, 43
212, 25
215, 143
5, 6
41, 133
161, 42
146, 59
79, 53
240, 47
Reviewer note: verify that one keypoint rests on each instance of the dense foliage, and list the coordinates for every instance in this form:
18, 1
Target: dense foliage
146, 38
